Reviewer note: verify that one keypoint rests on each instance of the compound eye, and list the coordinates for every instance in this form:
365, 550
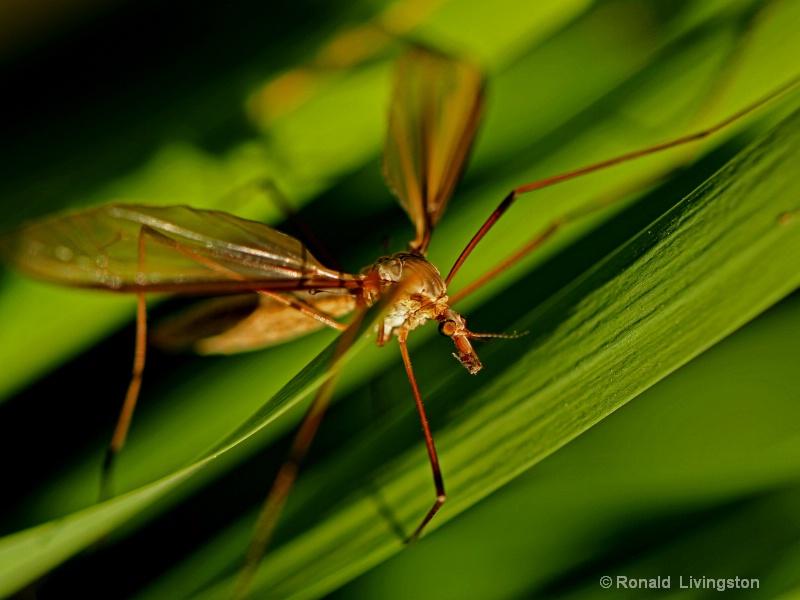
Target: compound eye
447, 327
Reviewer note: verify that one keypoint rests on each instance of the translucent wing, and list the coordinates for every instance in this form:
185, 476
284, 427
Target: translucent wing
435, 109
232, 324
175, 249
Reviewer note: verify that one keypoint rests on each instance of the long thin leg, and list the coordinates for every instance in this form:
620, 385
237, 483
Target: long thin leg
542, 183
284, 481
304, 308
132, 394
438, 482
279, 493
547, 232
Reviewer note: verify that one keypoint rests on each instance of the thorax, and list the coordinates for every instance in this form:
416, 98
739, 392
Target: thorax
418, 291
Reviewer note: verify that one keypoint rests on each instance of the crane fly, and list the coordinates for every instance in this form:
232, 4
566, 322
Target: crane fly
272, 289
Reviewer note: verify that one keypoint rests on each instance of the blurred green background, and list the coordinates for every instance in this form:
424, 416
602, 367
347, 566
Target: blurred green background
194, 103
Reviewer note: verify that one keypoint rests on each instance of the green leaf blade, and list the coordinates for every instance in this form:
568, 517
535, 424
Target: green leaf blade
704, 269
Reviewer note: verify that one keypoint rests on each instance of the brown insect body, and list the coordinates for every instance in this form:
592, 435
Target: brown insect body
423, 297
